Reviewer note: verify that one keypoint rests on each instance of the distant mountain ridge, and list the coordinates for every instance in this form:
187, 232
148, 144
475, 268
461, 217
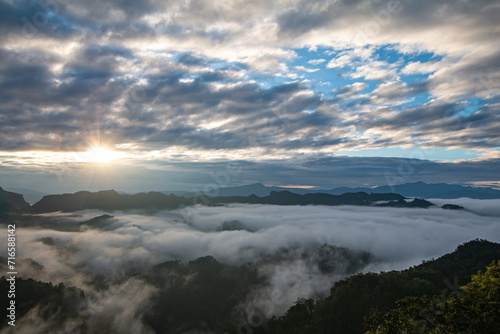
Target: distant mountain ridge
105, 200
110, 200
10, 201
31, 196
417, 190
254, 193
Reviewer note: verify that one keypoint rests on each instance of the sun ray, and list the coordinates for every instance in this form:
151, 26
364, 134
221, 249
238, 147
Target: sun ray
99, 154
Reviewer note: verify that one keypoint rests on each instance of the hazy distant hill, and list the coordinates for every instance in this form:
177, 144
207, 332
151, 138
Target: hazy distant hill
10, 201
32, 196
417, 189
289, 198
440, 190
257, 189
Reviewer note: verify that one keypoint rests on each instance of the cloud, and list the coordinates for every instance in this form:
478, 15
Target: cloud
478, 207
316, 61
350, 91
184, 79
195, 231
421, 68
305, 18
286, 245
305, 69
375, 70
392, 92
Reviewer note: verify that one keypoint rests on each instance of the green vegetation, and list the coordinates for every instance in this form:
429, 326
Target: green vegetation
388, 300
475, 308
198, 295
446, 295
53, 302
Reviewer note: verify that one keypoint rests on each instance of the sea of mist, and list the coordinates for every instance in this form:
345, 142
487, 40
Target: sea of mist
281, 241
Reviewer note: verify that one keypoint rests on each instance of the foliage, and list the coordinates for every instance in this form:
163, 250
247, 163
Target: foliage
56, 302
397, 301
473, 309
201, 295
198, 295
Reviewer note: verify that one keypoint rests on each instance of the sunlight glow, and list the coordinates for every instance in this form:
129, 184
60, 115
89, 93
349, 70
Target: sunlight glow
99, 154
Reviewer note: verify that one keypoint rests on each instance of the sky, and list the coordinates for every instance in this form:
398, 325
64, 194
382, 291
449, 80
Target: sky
163, 95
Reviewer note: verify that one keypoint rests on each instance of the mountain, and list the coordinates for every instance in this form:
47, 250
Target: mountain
59, 302
105, 200
198, 296
205, 296
440, 190
352, 300
32, 196
101, 222
257, 189
10, 201
289, 198
416, 203
417, 190
110, 200
452, 207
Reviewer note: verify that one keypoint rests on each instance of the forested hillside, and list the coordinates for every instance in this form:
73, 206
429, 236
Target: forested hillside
361, 302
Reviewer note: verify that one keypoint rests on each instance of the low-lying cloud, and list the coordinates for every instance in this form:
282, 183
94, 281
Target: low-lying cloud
281, 241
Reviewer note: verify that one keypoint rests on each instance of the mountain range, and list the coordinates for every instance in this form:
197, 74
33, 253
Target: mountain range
10, 201
110, 200
204, 295
254, 194
31, 196
412, 190
355, 301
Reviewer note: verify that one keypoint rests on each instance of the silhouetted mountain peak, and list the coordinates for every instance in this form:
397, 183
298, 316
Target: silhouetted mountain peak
10, 201
99, 222
105, 200
401, 203
452, 207
110, 192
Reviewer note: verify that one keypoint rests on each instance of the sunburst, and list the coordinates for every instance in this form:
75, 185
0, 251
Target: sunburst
99, 154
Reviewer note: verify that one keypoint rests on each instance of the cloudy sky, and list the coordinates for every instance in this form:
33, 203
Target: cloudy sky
157, 95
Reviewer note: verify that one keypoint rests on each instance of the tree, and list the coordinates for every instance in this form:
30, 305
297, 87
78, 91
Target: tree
474, 309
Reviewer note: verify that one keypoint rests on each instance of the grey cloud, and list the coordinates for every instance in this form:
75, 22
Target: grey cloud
248, 102
436, 122
296, 22
97, 12
90, 89
393, 92
19, 70
26, 20
195, 138
97, 62
190, 60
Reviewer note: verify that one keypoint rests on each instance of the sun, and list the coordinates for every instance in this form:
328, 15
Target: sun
99, 154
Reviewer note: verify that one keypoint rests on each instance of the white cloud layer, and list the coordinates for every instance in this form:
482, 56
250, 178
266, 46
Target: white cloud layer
396, 238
